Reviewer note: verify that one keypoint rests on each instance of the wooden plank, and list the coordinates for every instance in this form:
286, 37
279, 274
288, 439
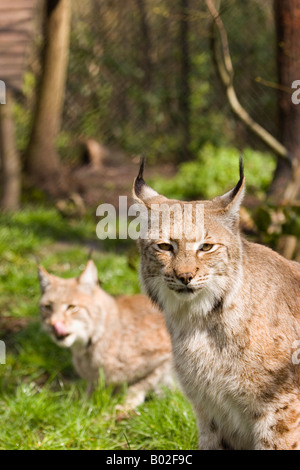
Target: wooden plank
16, 27
15, 48
14, 16
15, 83
17, 22
17, 4
7, 61
13, 37
9, 72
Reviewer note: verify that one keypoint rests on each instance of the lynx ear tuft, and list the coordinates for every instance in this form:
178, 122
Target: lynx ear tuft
139, 180
241, 184
141, 191
89, 276
232, 200
44, 278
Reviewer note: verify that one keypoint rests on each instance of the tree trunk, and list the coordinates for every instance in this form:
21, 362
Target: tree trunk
42, 160
286, 183
10, 160
184, 85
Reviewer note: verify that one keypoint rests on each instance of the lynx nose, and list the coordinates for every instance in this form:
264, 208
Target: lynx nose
185, 278
59, 329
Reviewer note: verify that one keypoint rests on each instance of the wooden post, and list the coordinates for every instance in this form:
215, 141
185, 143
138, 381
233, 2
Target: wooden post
10, 160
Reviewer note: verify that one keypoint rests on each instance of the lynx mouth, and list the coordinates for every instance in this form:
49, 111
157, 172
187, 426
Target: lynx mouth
64, 341
61, 337
185, 290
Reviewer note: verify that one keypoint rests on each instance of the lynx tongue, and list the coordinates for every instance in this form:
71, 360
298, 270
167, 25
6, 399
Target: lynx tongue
60, 329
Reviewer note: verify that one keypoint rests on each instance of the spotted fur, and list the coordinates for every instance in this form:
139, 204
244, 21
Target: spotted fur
126, 337
233, 316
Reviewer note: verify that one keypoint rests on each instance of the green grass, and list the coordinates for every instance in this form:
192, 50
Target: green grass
43, 404
40, 418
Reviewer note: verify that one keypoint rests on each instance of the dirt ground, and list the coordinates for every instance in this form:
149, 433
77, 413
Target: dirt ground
113, 177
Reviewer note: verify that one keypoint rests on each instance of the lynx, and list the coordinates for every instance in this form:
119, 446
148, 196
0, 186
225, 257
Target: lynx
232, 308
124, 336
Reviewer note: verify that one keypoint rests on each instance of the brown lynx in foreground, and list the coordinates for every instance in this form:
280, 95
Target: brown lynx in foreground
232, 309
126, 336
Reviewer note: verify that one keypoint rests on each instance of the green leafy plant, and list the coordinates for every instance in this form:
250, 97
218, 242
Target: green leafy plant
216, 170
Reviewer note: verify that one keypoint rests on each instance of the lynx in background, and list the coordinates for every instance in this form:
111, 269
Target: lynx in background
232, 309
126, 337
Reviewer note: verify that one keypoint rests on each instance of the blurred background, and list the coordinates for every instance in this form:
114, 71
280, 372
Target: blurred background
94, 84
90, 87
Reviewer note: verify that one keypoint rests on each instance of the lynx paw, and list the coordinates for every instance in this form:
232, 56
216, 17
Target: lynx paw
125, 412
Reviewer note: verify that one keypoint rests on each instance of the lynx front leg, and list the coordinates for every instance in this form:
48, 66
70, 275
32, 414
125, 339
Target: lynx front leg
90, 388
137, 393
208, 435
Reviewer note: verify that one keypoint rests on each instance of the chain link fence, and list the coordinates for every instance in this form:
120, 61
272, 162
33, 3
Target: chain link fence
141, 76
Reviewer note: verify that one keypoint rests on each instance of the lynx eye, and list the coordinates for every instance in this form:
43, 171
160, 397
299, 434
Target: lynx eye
165, 246
72, 308
206, 247
47, 308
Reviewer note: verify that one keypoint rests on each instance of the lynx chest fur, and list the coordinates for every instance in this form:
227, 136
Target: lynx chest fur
126, 337
232, 309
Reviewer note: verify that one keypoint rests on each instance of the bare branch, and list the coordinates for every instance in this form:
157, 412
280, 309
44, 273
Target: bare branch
225, 70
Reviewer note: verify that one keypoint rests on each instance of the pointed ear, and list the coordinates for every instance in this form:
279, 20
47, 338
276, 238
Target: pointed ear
44, 278
89, 276
232, 200
142, 193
